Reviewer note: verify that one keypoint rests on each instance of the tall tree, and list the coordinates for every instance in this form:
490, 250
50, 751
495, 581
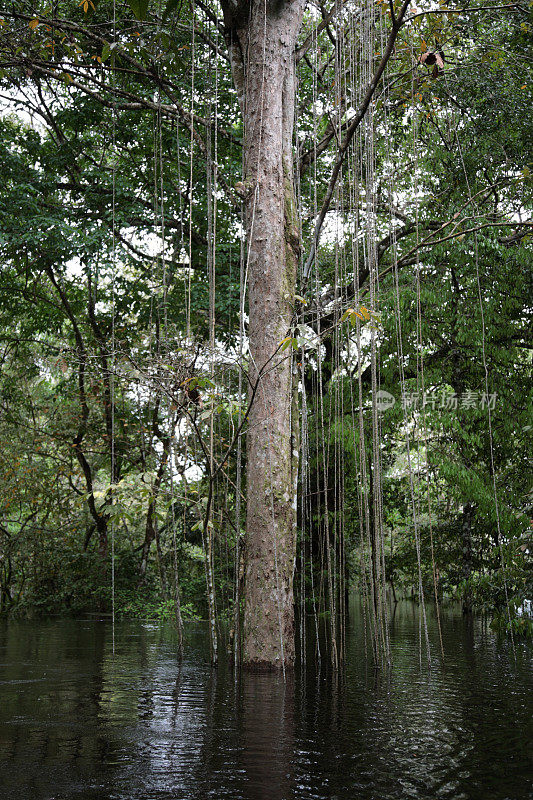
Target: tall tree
262, 42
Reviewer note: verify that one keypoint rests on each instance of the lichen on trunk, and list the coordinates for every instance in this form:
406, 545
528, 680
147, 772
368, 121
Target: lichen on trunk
262, 39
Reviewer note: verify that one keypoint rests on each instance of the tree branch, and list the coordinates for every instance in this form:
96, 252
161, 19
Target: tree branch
354, 124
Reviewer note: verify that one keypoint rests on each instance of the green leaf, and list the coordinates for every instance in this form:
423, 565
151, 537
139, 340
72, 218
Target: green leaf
170, 6
139, 8
286, 342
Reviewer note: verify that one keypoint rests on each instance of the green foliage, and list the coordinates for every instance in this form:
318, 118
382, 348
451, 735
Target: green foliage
129, 605
85, 195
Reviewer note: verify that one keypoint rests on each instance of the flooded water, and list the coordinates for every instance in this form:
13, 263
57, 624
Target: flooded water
78, 722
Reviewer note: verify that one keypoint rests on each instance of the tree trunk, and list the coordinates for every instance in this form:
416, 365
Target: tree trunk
466, 535
262, 38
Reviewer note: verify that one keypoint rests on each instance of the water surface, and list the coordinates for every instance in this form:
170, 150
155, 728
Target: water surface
78, 722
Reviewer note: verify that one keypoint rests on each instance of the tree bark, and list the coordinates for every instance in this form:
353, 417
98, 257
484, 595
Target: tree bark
466, 535
262, 38
151, 522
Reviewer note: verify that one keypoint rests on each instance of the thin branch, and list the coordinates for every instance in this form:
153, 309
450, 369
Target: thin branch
514, 6
302, 50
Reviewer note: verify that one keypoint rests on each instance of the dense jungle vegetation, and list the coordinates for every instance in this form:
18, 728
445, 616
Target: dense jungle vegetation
122, 398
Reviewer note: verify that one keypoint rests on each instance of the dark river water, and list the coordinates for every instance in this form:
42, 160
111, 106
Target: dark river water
78, 722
